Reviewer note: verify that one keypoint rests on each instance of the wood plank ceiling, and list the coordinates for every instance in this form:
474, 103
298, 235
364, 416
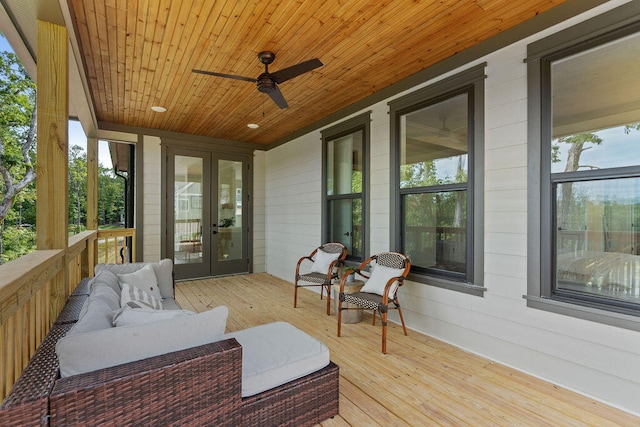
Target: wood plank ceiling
140, 53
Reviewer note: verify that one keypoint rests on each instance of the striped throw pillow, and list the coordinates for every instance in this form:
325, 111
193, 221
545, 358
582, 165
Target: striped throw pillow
135, 297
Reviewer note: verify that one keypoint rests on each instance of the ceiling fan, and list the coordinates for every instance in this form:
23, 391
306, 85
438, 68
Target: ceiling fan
268, 82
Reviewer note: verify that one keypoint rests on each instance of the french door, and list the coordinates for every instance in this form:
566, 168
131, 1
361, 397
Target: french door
207, 213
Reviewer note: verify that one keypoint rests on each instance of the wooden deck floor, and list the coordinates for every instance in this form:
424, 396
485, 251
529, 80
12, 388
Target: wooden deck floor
421, 381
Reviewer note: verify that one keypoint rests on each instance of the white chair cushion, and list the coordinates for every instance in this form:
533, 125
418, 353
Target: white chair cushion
322, 261
379, 278
88, 352
276, 353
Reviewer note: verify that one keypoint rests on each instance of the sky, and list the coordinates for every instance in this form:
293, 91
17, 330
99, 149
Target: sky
76, 134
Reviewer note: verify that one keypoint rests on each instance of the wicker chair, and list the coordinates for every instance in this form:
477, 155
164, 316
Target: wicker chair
388, 274
323, 270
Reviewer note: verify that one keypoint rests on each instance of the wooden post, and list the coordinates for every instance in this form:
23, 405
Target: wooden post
92, 206
53, 153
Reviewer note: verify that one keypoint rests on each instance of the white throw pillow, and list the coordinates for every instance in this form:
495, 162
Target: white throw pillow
163, 270
379, 278
322, 261
144, 279
126, 315
135, 297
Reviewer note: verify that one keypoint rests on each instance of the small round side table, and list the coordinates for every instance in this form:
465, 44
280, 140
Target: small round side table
348, 316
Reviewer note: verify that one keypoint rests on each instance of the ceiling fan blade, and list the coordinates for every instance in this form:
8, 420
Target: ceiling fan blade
295, 70
278, 98
228, 76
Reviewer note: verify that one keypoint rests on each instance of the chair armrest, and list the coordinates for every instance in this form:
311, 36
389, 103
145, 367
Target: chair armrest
200, 386
387, 287
300, 262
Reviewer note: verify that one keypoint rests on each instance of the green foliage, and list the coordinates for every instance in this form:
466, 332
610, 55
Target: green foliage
77, 189
17, 156
111, 197
17, 241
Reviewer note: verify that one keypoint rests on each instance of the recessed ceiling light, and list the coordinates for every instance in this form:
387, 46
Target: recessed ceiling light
158, 109
253, 126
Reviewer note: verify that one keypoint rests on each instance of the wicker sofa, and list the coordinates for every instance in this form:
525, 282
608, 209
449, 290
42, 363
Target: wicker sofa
201, 385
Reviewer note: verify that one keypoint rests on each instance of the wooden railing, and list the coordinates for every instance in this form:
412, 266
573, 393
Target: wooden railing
33, 290
117, 246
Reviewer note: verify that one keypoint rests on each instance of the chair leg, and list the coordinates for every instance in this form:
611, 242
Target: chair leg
374, 318
401, 319
295, 295
339, 315
328, 300
383, 317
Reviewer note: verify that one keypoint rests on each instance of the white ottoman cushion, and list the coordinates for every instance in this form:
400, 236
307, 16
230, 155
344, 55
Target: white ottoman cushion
276, 353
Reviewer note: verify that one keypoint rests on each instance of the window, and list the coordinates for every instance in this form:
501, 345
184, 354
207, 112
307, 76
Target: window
437, 141
588, 141
345, 185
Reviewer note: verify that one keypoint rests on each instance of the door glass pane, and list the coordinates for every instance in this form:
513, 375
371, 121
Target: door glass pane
435, 231
346, 225
188, 210
229, 210
597, 245
434, 144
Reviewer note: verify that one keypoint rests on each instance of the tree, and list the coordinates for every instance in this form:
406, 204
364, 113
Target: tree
77, 188
576, 148
111, 200
17, 134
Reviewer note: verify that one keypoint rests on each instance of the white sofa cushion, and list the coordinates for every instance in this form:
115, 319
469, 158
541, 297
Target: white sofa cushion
88, 352
105, 277
97, 312
127, 316
162, 268
276, 353
170, 304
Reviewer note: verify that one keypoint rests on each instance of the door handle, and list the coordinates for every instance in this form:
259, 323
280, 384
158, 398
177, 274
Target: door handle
214, 228
347, 234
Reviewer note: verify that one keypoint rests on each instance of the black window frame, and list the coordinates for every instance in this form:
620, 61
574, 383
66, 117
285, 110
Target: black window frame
541, 292
471, 82
359, 123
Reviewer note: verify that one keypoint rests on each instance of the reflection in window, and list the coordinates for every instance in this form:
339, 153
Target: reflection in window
594, 157
188, 210
435, 232
344, 196
346, 218
434, 177
434, 144
597, 237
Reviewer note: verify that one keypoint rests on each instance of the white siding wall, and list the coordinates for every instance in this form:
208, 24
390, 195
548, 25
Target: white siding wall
292, 205
151, 198
258, 197
594, 359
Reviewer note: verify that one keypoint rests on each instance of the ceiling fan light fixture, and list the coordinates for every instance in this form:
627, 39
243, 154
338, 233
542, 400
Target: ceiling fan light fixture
268, 82
158, 109
253, 126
